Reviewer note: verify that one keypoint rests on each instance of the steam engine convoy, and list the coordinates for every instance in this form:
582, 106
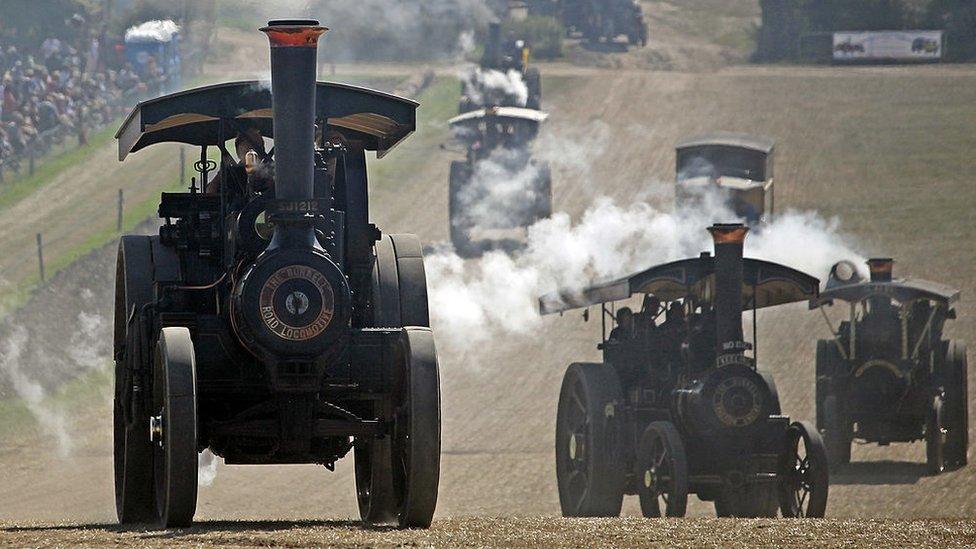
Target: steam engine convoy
889, 374
268, 320
682, 408
736, 165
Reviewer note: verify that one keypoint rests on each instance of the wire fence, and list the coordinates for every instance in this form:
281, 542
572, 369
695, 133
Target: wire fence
46, 243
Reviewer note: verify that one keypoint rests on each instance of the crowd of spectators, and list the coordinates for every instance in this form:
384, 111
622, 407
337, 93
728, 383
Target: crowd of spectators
56, 91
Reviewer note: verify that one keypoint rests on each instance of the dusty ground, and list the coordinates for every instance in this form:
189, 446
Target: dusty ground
519, 532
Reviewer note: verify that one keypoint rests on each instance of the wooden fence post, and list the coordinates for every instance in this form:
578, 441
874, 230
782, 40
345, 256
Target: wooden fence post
40, 255
118, 223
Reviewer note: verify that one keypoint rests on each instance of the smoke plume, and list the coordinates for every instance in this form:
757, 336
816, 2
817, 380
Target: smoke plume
381, 29
502, 191
494, 87
496, 296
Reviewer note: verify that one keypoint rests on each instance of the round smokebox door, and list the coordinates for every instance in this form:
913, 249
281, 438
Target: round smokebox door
297, 303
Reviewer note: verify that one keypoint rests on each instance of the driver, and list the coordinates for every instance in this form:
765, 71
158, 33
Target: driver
246, 141
625, 325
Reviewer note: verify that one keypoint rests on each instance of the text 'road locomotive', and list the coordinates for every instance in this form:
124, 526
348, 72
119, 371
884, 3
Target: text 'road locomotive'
889, 374
680, 407
268, 320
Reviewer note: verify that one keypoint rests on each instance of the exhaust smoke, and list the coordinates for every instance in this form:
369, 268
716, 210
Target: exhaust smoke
496, 296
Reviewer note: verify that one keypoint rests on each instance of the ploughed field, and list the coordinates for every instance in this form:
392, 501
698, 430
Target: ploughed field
889, 151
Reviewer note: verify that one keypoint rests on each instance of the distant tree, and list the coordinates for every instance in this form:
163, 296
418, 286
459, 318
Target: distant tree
958, 19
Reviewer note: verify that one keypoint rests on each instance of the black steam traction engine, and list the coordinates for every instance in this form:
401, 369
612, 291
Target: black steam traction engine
888, 375
269, 321
502, 55
680, 407
498, 187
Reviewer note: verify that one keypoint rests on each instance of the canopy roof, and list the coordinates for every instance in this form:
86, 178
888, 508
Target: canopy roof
512, 113
901, 290
202, 116
772, 284
729, 139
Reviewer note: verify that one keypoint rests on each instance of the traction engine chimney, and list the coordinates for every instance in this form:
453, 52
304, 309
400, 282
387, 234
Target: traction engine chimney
728, 239
294, 48
881, 269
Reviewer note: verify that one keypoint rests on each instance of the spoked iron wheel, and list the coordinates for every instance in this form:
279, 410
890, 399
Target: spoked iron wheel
589, 469
374, 481
173, 428
662, 471
417, 433
804, 479
935, 436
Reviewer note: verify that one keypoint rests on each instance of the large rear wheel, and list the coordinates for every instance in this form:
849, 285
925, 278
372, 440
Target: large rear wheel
804, 480
662, 471
589, 435
133, 360
416, 439
458, 219
957, 405
174, 428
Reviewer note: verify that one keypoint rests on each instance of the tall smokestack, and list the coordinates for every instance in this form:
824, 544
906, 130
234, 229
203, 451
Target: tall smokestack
729, 239
294, 48
881, 269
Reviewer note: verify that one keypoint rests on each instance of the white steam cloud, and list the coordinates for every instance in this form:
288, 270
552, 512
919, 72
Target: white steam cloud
22, 359
497, 295
494, 87
502, 192
207, 464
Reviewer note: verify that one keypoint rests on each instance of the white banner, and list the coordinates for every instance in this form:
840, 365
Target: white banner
901, 45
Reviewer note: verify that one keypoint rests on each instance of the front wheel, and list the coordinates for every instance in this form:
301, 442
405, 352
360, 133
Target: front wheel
935, 437
374, 481
662, 471
837, 432
417, 432
804, 478
589, 435
173, 428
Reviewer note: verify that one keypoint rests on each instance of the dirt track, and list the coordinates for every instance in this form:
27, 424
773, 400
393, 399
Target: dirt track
887, 150
520, 532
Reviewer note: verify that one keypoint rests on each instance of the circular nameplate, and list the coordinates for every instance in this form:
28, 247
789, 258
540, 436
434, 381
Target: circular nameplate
297, 303
737, 401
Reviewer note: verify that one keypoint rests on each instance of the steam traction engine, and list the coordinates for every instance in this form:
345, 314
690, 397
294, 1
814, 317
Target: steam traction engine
679, 407
737, 166
268, 320
889, 374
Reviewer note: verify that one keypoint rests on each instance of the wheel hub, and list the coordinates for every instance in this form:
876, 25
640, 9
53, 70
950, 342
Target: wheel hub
649, 478
156, 429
